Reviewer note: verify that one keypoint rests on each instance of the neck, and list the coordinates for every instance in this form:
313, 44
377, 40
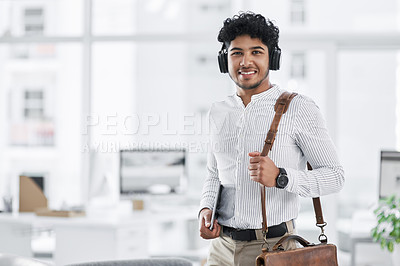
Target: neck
245, 94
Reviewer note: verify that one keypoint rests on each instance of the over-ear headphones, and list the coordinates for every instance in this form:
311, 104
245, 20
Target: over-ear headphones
274, 59
223, 60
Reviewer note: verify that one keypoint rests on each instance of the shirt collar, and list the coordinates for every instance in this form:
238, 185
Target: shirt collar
260, 95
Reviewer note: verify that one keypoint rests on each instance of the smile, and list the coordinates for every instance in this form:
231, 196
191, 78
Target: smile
247, 73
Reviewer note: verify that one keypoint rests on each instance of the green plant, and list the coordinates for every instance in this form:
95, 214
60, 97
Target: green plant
387, 231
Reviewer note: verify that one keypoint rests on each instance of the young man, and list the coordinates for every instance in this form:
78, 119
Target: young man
238, 129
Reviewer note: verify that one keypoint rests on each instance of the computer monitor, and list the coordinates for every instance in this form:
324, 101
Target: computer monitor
389, 181
152, 171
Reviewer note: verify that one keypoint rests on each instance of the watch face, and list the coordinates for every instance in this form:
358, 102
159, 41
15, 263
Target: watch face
282, 181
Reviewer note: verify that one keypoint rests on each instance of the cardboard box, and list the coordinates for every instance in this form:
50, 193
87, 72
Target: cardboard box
31, 195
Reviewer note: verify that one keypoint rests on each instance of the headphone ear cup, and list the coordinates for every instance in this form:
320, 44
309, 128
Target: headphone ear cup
223, 61
275, 59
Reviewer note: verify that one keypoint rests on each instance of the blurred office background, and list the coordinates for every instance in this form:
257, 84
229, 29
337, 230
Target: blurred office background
82, 79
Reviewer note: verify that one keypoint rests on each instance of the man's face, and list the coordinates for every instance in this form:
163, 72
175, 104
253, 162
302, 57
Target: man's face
248, 62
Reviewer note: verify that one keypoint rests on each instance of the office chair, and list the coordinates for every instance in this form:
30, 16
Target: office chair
13, 260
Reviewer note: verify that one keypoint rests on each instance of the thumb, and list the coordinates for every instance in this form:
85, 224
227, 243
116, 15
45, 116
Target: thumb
254, 154
207, 221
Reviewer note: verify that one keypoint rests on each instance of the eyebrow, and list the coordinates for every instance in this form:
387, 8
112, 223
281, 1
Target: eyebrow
251, 48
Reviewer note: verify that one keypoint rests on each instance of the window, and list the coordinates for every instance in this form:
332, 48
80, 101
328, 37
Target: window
41, 112
41, 18
297, 12
33, 21
31, 110
34, 105
63, 97
298, 66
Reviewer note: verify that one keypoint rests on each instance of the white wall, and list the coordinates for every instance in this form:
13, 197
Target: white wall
367, 119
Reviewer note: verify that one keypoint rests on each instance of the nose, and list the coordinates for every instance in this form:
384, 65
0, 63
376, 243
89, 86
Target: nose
246, 61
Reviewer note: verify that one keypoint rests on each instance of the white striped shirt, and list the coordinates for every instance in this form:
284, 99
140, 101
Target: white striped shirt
236, 130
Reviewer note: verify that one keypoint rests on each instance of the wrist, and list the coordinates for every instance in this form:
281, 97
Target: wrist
282, 179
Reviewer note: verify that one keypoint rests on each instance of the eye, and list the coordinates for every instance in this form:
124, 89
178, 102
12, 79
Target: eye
236, 53
257, 52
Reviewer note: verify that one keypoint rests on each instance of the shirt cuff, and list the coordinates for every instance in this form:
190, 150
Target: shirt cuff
293, 180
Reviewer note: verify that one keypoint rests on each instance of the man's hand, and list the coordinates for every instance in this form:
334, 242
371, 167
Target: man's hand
262, 169
205, 223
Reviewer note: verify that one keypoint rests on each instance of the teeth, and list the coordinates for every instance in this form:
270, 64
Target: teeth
248, 73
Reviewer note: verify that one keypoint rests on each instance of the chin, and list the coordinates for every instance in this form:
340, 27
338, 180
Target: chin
249, 87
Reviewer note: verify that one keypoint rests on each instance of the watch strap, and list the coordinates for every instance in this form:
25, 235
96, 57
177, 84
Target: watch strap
282, 171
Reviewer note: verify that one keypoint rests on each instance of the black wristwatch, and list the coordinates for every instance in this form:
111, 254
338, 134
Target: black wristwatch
282, 179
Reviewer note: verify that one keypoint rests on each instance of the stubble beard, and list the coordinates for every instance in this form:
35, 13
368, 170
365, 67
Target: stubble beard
250, 87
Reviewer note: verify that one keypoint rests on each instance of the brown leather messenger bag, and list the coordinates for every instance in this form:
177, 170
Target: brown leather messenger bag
322, 254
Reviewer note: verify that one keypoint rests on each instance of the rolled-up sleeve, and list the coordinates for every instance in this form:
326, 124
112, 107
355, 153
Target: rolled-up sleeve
312, 137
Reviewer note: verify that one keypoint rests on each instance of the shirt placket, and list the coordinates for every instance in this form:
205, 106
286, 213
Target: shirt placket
240, 163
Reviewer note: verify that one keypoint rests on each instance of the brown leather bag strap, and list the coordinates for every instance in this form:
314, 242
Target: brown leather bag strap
318, 211
281, 106
318, 214
317, 205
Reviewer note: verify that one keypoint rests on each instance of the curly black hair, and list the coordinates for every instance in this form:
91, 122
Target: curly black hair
251, 24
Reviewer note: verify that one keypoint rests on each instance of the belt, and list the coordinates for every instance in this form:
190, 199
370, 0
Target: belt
250, 234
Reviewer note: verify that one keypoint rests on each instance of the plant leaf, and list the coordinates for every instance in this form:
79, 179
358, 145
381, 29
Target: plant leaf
390, 246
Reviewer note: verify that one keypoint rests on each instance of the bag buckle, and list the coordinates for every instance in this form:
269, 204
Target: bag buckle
322, 237
265, 241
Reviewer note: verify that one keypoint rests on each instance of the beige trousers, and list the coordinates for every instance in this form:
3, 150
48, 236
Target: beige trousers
224, 251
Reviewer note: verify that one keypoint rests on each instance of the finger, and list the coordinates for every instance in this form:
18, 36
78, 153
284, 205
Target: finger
254, 166
255, 159
218, 230
254, 172
204, 216
254, 154
207, 220
255, 175
206, 233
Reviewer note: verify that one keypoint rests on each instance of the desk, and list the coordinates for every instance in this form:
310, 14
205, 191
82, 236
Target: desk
86, 239
361, 225
15, 236
114, 234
